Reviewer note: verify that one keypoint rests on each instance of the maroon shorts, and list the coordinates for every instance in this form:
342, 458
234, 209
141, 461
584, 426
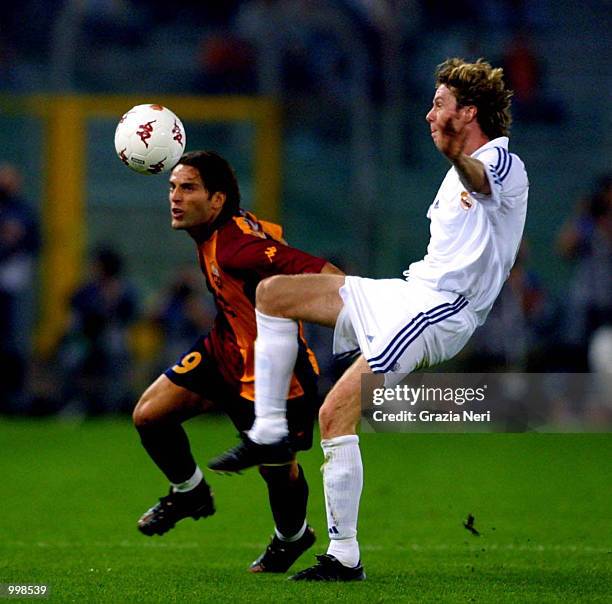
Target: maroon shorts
197, 370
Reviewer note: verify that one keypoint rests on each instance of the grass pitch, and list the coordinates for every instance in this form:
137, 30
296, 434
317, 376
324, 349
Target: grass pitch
71, 494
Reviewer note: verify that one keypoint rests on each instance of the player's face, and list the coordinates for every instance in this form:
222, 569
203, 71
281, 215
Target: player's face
444, 107
191, 205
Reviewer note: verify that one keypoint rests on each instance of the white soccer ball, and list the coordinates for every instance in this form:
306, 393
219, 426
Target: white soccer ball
150, 139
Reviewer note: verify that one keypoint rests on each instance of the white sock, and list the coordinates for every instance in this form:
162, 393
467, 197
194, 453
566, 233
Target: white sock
342, 481
190, 484
295, 537
345, 550
276, 350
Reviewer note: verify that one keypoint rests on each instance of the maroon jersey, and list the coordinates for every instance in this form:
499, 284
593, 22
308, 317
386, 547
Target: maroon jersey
237, 256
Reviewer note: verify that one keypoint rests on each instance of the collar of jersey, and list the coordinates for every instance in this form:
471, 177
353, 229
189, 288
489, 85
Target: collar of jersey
500, 141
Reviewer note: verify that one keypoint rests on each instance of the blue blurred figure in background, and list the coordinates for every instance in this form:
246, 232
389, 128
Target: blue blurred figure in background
19, 246
586, 241
95, 353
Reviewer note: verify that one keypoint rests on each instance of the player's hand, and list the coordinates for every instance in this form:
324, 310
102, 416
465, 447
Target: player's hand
451, 138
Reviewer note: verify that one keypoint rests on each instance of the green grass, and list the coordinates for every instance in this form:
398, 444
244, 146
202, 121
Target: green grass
71, 494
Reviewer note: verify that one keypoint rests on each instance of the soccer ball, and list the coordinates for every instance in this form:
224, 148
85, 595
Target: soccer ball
150, 139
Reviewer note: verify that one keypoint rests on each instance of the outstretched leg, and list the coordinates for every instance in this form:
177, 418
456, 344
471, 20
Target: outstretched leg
282, 300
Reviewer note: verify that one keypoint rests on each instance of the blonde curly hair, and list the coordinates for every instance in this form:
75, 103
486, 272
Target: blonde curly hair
480, 85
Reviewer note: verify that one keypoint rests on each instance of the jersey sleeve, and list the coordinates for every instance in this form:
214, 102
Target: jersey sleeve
505, 173
240, 251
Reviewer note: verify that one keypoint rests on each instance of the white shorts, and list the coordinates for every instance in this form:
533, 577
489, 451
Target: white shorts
400, 326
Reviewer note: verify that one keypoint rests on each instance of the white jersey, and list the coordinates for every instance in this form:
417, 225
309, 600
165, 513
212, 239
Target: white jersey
474, 237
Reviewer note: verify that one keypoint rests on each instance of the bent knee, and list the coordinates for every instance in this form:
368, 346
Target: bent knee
331, 423
337, 418
142, 415
149, 410
163, 401
266, 294
326, 420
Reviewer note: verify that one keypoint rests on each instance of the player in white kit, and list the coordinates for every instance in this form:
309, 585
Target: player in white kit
477, 219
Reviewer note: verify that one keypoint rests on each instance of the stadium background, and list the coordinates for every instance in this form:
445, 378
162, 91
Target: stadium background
344, 144
320, 107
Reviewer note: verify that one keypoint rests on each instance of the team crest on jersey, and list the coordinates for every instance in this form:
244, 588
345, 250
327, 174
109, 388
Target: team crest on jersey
216, 275
466, 201
249, 226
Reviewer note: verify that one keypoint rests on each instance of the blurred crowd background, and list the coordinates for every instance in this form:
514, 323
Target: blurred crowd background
353, 81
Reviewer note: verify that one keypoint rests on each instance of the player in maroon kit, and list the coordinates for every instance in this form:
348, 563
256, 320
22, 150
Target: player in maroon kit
236, 251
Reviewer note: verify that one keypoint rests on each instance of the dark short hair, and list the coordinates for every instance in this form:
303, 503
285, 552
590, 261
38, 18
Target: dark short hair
217, 176
480, 85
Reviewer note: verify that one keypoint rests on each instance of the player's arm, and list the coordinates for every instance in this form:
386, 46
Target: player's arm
472, 174
472, 171
244, 251
269, 257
